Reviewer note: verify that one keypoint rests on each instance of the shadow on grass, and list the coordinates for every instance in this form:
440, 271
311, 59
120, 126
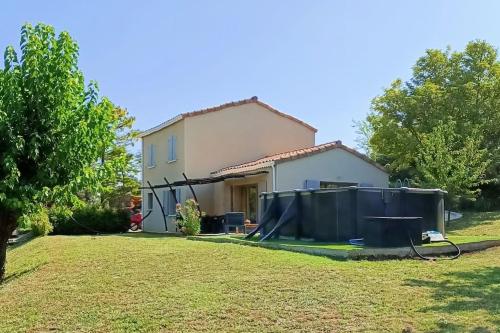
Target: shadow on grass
447, 327
472, 219
464, 291
148, 235
16, 275
123, 234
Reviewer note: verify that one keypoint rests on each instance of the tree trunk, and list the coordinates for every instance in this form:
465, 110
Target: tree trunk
8, 223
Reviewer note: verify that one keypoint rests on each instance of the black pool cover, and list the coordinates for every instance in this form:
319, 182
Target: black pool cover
392, 231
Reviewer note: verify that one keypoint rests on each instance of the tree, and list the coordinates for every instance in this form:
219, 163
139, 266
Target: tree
53, 127
461, 89
457, 169
124, 166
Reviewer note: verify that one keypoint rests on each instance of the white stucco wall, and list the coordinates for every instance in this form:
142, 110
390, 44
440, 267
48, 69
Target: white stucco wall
163, 168
334, 165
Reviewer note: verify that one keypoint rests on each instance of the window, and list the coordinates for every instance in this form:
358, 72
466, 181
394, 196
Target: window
150, 201
169, 201
152, 156
336, 184
172, 148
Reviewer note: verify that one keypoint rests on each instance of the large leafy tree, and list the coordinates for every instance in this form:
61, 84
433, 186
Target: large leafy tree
443, 162
122, 181
441, 126
54, 127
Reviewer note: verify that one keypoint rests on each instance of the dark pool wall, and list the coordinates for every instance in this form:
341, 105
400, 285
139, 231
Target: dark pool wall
338, 214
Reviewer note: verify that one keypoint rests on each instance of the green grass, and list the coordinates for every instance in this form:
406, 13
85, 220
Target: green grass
145, 283
303, 243
474, 227
476, 224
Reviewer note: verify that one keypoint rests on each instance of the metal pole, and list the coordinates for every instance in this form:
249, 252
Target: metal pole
171, 190
192, 191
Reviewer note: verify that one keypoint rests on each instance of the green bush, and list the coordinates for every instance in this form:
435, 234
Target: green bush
39, 222
190, 218
59, 214
90, 220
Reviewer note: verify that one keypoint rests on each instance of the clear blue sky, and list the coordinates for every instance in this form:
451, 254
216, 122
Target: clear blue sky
321, 61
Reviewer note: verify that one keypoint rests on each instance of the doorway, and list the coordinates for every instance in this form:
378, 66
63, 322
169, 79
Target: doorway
250, 201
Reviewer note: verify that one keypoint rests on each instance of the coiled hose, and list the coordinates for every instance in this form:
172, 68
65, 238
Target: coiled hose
435, 258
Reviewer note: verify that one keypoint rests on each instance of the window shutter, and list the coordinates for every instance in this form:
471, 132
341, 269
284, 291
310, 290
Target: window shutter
166, 201
169, 149
153, 150
150, 155
174, 148
178, 194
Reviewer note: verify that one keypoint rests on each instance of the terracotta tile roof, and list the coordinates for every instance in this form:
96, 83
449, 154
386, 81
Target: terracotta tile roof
291, 155
222, 107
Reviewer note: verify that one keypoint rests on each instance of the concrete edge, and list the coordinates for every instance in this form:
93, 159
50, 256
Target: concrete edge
21, 239
368, 253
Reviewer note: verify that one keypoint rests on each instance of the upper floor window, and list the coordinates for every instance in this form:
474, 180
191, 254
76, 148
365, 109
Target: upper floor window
151, 156
172, 148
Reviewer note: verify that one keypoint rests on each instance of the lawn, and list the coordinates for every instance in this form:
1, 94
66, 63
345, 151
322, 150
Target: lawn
457, 239
142, 283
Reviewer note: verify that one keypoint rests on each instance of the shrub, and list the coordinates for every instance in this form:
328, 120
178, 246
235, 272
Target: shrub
190, 220
59, 214
39, 222
90, 220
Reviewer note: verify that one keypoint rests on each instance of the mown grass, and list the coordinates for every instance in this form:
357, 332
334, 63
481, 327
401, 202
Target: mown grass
473, 227
146, 283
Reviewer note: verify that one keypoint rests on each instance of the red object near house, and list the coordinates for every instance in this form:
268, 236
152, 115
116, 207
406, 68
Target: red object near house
136, 221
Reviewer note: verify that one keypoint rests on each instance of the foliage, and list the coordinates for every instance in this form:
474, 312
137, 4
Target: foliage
90, 220
54, 127
39, 222
59, 214
190, 220
456, 89
364, 132
456, 169
122, 181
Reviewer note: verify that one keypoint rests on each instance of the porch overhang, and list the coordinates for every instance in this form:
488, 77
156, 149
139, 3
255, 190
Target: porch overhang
209, 180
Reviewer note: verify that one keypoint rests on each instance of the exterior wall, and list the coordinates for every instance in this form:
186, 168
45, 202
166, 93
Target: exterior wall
171, 170
239, 134
334, 165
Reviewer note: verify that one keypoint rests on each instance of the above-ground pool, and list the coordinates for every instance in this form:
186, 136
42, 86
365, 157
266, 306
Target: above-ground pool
337, 215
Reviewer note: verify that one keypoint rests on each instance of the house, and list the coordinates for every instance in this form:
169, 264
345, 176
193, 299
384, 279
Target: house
246, 147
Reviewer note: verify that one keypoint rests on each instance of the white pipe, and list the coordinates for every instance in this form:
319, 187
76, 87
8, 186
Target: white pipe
274, 177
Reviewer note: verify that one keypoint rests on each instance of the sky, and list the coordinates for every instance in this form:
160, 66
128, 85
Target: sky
320, 61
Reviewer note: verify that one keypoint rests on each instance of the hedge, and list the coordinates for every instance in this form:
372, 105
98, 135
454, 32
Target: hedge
89, 220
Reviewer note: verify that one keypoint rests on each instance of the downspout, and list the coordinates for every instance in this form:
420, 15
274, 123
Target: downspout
274, 176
